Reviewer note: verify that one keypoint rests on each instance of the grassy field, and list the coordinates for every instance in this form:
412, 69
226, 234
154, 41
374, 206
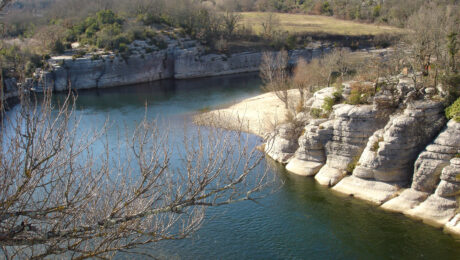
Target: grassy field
300, 23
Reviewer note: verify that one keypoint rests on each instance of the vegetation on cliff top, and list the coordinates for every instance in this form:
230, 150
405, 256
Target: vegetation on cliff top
39, 28
453, 111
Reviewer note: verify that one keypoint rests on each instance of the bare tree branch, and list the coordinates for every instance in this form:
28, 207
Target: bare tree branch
60, 196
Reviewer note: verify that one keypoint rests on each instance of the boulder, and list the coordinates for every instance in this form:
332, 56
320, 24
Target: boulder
282, 145
435, 211
376, 192
310, 156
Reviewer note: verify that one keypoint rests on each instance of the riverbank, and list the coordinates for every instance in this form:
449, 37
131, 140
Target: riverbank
258, 115
182, 59
382, 158
301, 214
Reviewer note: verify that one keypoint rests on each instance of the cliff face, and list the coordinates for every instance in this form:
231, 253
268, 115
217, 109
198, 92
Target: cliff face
177, 61
110, 71
403, 160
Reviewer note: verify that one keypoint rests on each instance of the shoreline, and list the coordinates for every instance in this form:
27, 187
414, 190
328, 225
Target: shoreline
259, 115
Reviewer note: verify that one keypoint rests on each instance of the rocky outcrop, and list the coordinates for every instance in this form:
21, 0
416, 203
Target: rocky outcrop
391, 152
435, 157
434, 178
109, 71
351, 129
311, 156
191, 63
328, 148
434, 203
282, 144
319, 96
181, 60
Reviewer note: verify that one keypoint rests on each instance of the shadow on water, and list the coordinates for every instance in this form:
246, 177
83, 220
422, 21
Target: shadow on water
300, 220
179, 96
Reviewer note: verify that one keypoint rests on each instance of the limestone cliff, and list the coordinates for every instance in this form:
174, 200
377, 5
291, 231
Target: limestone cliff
404, 159
181, 60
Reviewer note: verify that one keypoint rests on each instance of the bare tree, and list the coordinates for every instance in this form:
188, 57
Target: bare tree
270, 25
231, 21
337, 62
62, 197
308, 77
428, 41
276, 79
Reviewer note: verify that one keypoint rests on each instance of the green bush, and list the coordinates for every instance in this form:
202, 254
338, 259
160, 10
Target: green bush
375, 147
453, 111
79, 54
338, 95
329, 102
453, 81
58, 47
122, 47
96, 57
316, 112
360, 94
291, 42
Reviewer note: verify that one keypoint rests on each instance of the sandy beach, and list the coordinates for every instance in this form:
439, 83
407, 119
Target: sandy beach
257, 115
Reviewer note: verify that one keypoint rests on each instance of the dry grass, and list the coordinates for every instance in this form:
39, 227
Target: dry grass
299, 23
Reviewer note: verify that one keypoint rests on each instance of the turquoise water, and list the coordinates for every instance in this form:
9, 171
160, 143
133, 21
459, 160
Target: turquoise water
300, 220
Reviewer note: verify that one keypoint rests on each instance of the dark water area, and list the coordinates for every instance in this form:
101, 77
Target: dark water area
300, 220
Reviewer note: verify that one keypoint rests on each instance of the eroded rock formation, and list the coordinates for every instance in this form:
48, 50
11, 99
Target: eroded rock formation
403, 159
181, 60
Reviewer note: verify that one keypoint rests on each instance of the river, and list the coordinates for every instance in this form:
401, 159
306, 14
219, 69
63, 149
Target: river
300, 220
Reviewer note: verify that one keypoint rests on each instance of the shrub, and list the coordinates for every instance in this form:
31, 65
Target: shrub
453, 81
95, 57
77, 55
291, 42
58, 47
326, 9
338, 94
453, 111
299, 107
352, 165
375, 146
329, 102
316, 112
290, 118
360, 93
122, 47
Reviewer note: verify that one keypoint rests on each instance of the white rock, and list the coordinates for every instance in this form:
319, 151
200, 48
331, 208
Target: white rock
407, 200
435, 211
329, 176
372, 191
303, 168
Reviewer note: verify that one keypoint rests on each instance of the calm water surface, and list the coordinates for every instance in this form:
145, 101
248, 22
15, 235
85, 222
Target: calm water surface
302, 220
